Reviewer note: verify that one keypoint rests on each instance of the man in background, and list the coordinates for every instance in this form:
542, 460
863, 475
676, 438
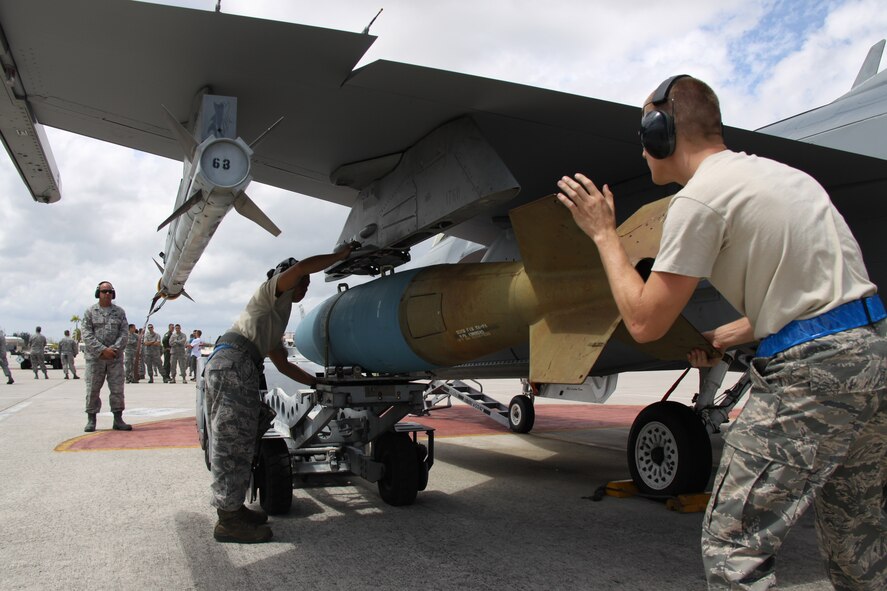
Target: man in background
38, 345
164, 342
3, 363
68, 351
105, 334
152, 353
177, 343
130, 367
194, 348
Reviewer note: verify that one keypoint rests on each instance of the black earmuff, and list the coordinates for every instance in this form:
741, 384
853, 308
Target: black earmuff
283, 266
99, 286
657, 131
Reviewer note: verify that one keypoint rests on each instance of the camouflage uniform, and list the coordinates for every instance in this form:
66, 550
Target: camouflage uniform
814, 430
177, 356
130, 368
104, 328
152, 354
237, 418
3, 363
68, 351
38, 344
164, 342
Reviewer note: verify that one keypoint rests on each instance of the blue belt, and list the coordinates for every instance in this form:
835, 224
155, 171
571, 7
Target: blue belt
241, 343
846, 316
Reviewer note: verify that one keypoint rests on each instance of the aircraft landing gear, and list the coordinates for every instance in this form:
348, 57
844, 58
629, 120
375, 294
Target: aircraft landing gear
669, 449
669, 452
521, 414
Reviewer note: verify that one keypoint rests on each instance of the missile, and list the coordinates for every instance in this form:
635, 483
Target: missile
557, 298
215, 176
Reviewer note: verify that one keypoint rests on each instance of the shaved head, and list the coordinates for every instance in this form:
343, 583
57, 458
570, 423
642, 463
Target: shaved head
696, 111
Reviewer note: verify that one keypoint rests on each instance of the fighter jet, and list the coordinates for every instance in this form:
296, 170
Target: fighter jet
414, 152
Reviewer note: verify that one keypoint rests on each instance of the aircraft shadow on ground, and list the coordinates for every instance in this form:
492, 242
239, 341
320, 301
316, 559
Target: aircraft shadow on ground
516, 522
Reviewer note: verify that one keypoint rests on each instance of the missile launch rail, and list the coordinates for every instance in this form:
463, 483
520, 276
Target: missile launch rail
344, 426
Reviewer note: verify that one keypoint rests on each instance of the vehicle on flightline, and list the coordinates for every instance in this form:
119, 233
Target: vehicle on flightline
52, 356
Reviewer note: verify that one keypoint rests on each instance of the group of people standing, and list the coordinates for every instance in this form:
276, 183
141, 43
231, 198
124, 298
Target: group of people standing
166, 355
67, 348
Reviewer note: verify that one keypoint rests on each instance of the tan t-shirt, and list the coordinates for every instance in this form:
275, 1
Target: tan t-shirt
265, 317
767, 237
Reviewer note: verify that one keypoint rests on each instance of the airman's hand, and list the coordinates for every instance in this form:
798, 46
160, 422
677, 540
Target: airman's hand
108, 353
592, 209
702, 358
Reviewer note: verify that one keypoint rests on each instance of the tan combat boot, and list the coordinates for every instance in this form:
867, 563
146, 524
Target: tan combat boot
239, 527
254, 516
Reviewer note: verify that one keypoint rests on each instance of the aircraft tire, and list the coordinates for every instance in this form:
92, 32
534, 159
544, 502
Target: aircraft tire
274, 477
521, 414
669, 450
400, 481
56, 364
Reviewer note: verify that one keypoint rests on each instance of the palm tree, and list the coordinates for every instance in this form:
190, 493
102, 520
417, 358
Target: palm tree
76, 320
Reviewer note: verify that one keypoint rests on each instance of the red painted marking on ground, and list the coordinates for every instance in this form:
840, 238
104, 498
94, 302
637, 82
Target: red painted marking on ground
458, 421
463, 421
156, 434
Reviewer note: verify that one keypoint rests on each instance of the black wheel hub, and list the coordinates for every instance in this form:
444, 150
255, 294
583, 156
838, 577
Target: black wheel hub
657, 454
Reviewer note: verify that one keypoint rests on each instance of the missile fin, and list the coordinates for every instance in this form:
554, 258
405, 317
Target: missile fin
186, 140
185, 293
248, 209
159, 266
195, 199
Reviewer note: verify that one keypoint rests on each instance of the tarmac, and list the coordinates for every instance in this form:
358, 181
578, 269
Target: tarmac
130, 510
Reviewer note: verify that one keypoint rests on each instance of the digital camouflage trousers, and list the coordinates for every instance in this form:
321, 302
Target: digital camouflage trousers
97, 370
814, 431
237, 418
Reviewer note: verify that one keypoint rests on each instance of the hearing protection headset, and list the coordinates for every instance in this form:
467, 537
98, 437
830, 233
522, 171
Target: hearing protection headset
283, 266
657, 131
99, 286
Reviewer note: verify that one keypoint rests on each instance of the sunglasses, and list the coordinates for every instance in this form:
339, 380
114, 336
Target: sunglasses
107, 291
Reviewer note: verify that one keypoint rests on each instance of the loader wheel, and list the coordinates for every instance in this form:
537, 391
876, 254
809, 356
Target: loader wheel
669, 451
422, 467
274, 477
521, 414
400, 481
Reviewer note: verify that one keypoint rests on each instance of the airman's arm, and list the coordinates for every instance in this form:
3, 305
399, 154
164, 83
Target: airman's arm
291, 277
279, 358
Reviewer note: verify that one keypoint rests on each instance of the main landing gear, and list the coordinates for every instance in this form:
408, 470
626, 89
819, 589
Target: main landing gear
669, 449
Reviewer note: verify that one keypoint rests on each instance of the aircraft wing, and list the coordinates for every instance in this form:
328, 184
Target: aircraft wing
103, 68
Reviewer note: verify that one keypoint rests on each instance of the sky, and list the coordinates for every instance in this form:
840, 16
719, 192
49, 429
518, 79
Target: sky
767, 60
